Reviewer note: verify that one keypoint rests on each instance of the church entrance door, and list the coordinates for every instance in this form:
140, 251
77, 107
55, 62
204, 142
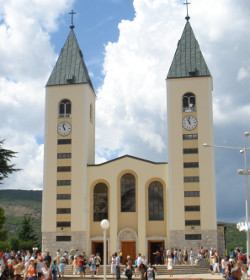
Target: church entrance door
97, 247
128, 249
155, 251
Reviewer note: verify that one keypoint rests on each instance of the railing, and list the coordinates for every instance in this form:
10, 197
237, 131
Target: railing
64, 115
192, 109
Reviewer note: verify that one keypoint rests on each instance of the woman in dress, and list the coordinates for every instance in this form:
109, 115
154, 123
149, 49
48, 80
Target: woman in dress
191, 257
180, 256
185, 255
46, 272
170, 265
92, 266
113, 262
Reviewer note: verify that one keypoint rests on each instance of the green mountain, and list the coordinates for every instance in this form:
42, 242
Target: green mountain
20, 203
234, 237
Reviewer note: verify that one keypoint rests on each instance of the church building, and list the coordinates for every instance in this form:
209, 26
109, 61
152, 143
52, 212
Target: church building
150, 205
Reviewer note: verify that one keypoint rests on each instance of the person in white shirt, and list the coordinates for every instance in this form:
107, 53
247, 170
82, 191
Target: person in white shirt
117, 267
191, 256
145, 261
113, 265
40, 266
139, 260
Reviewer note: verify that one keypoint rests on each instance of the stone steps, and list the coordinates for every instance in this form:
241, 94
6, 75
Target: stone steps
161, 269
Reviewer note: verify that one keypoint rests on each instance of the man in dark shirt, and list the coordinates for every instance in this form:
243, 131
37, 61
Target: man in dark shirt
48, 258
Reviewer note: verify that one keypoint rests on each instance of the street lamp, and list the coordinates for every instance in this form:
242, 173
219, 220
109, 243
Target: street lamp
241, 226
105, 226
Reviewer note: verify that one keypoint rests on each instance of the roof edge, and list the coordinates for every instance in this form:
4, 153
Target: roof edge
127, 156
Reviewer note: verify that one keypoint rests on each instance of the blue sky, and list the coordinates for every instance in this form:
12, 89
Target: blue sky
128, 47
96, 24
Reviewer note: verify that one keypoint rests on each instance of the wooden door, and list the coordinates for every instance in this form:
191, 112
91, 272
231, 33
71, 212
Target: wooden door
154, 246
97, 247
128, 249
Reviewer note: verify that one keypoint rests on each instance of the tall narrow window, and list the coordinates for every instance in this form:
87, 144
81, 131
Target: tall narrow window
128, 193
91, 113
100, 202
188, 102
155, 201
65, 109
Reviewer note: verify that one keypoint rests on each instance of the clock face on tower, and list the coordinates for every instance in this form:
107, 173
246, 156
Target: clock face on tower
189, 122
64, 128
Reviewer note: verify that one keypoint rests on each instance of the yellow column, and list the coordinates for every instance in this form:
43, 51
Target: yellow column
141, 210
113, 218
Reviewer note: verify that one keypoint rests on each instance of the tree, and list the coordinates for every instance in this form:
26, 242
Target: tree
14, 243
5, 167
3, 233
26, 231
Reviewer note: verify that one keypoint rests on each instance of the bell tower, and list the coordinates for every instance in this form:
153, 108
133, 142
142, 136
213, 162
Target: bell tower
69, 146
192, 197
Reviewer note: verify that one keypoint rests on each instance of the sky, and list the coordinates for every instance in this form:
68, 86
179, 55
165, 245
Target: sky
128, 47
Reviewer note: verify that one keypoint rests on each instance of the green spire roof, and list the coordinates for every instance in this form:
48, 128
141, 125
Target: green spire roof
188, 60
70, 67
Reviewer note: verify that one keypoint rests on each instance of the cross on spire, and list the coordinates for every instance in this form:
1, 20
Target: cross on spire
187, 17
72, 13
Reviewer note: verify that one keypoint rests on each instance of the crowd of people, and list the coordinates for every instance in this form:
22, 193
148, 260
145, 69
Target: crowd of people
37, 266
224, 265
140, 268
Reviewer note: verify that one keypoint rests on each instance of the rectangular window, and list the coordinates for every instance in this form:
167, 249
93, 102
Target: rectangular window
64, 155
63, 224
63, 182
63, 238
192, 194
190, 151
63, 197
63, 211
192, 208
190, 136
192, 223
192, 236
63, 168
191, 179
191, 164
63, 141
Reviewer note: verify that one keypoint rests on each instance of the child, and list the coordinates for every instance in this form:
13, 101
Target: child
54, 268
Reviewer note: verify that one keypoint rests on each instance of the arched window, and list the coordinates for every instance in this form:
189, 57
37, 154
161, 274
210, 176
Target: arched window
189, 102
65, 109
100, 203
155, 201
128, 193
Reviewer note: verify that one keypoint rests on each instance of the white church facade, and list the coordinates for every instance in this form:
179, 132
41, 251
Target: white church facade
150, 205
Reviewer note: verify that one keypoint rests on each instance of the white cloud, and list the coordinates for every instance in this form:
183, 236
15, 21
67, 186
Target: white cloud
27, 57
133, 99
243, 73
131, 104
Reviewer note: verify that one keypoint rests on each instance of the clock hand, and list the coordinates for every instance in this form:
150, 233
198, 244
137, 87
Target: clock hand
63, 126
